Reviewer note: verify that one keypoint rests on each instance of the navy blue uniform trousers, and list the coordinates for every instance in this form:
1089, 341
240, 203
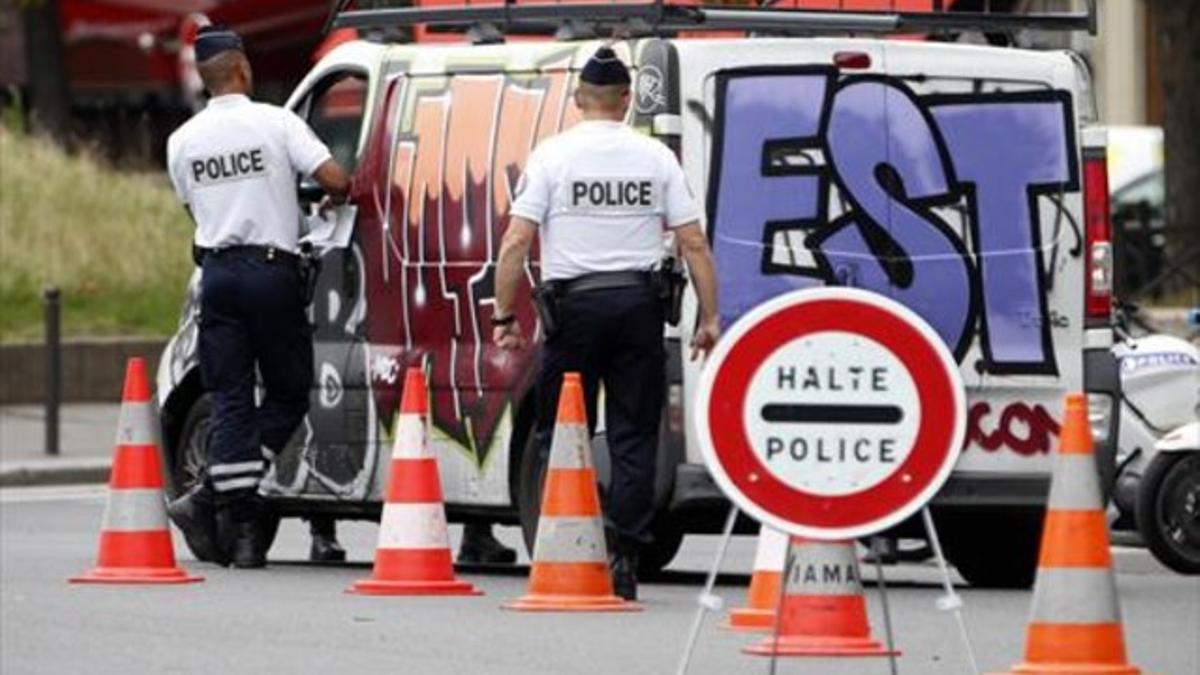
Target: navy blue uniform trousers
252, 319
615, 337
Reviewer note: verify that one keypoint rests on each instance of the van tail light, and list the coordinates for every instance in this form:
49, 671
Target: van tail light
852, 60
1098, 237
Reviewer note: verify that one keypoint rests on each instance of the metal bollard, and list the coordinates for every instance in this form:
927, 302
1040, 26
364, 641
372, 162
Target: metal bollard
53, 313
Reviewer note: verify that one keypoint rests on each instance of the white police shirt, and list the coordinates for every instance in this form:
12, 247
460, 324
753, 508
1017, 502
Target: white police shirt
601, 194
235, 165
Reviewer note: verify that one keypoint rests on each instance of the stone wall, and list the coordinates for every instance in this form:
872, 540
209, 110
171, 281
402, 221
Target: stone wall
93, 370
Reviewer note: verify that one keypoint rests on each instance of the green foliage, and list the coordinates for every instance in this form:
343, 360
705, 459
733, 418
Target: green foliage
12, 115
116, 243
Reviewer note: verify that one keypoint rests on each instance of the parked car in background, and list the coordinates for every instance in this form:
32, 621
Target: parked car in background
1136, 180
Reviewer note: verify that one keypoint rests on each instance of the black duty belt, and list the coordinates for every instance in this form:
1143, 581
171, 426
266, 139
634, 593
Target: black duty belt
263, 253
607, 280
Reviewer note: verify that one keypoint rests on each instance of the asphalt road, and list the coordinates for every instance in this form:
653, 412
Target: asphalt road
294, 617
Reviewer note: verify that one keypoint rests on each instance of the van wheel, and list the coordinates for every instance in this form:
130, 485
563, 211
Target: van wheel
532, 475
191, 459
191, 452
1168, 510
993, 551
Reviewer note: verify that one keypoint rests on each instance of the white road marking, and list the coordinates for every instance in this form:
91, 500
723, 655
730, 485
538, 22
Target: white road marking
56, 493
1121, 549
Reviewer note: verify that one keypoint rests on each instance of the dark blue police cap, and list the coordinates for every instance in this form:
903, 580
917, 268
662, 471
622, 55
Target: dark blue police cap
213, 40
604, 68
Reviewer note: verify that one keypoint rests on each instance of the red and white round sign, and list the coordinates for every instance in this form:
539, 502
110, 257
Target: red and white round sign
830, 413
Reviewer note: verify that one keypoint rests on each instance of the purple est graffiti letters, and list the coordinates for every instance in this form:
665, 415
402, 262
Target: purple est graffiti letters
894, 158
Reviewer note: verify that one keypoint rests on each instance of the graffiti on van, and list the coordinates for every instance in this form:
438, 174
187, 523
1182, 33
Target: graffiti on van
458, 150
817, 180
1026, 429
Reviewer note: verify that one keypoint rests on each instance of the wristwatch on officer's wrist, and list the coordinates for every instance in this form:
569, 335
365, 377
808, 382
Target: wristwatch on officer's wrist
504, 320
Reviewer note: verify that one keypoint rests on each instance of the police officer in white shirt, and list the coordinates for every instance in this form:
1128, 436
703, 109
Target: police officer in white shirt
599, 196
235, 165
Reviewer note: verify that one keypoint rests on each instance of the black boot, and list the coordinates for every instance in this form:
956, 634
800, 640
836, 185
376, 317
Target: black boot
242, 521
480, 547
325, 546
195, 514
248, 550
624, 570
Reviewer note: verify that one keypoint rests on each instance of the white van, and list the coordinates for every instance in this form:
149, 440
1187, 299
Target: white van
966, 182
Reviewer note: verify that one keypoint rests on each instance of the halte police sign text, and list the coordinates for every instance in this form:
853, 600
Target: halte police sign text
830, 413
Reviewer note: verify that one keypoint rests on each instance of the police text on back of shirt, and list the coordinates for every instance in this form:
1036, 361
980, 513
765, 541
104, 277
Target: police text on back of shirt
228, 166
616, 196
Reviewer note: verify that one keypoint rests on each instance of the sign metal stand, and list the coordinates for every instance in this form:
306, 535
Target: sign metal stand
877, 553
775, 400
707, 601
951, 600
783, 582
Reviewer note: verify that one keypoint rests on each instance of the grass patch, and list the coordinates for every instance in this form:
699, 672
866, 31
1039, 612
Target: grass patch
116, 243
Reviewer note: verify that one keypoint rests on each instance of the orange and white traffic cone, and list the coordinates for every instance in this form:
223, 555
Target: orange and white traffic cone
413, 554
762, 600
135, 541
823, 612
1075, 624
570, 561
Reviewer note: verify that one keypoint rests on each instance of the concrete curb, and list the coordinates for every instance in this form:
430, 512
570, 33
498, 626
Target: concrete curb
55, 472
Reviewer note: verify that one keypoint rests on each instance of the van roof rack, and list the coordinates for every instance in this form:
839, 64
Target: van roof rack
574, 19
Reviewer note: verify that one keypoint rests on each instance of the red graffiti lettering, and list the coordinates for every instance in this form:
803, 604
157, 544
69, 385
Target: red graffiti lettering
453, 159
1022, 428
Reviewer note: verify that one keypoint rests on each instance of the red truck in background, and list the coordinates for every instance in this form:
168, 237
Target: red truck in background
129, 67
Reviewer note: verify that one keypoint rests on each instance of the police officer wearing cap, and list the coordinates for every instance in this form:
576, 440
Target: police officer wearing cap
600, 196
235, 165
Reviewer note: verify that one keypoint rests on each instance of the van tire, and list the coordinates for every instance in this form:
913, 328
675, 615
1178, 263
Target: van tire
191, 451
191, 457
993, 550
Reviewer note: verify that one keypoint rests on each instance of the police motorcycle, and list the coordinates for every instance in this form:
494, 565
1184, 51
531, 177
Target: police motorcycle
1157, 487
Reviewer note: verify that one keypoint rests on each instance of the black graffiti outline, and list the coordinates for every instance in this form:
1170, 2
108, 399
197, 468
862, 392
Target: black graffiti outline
1061, 214
536, 78
771, 227
877, 238
884, 247
1049, 365
341, 333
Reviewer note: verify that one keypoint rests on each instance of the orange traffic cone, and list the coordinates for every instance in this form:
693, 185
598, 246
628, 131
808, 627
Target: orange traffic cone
413, 554
823, 611
762, 600
570, 562
1075, 626
135, 542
